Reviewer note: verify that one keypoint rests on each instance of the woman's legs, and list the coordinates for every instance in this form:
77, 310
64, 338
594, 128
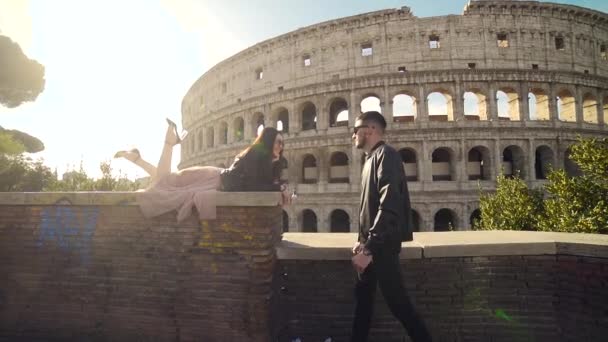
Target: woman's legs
134, 157
164, 163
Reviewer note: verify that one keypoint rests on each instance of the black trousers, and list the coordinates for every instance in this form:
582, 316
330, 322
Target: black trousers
386, 272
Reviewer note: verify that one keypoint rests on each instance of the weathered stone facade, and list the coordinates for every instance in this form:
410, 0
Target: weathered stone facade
546, 63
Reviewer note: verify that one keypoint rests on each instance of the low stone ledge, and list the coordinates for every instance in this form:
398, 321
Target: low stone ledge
336, 246
224, 199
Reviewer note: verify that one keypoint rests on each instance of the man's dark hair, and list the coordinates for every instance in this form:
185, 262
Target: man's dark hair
373, 116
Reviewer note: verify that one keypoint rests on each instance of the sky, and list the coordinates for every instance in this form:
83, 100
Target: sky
116, 68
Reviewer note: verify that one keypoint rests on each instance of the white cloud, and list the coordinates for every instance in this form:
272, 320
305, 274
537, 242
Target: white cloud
217, 42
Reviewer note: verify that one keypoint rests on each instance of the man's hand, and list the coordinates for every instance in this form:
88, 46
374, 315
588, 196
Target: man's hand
285, 195
361, 261
358, 247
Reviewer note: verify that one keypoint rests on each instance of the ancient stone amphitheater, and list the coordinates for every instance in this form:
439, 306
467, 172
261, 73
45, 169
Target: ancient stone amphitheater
505, 87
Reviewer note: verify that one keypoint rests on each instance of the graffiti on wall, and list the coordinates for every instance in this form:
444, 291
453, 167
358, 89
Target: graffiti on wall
69, 229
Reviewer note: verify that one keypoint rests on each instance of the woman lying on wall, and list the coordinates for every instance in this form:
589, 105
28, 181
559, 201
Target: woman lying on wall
256, 168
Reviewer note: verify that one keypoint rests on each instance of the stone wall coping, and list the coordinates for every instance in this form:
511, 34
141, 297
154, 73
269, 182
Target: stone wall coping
224, 199
336, 246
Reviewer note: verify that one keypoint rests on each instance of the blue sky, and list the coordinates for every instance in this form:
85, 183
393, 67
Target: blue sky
116, 68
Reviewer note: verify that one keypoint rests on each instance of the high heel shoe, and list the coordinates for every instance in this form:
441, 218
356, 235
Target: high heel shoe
127, 154
178, 136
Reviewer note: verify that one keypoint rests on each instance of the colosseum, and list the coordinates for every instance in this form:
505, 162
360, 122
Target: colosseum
505, 87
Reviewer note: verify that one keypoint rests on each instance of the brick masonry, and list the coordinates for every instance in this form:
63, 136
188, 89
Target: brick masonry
105, 273
499, 298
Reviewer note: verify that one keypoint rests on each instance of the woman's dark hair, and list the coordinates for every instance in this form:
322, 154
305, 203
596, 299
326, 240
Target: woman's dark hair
264, 144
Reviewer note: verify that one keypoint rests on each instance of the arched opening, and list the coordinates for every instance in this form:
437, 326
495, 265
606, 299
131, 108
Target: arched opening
439, 105
445, 221
507, 103
258, 123
309, 169
371, 103
442, 165
309, 221
223, 133
416, 220
309, 116
543, 163
283, 120
513, 162
239, 129
538, 104
338, 168
285, 222
410, 163
475, 105
210, 137
570, 166
478, 163
340, 222
475, 218
590, 109
404, 108
566, 106
338, 113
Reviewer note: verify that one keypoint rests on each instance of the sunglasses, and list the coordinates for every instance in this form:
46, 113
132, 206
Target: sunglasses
356, 128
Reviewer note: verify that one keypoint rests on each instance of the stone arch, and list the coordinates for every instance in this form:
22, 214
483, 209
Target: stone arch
513, 162
309, 221
370, 102
566, 106
538, 104
223, 138
439, 105
285, 222
507, 104
474, 218
570, 166
210, 137
281, 119
443, 164
404, 107
444, 220
201, 141
309, 169
339, 221
338, 112
238, 128
308, 114
479, 163
257, 123
543, 161
409, 159
338, 168
590, 114
475, 105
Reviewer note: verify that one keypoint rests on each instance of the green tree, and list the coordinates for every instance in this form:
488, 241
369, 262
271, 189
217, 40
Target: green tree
570, 204
513, 206
18, 173
21, 78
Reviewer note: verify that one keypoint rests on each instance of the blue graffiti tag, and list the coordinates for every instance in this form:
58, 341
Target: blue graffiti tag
62, 227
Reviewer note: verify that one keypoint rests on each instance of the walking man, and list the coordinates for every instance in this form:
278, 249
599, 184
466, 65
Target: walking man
384, 221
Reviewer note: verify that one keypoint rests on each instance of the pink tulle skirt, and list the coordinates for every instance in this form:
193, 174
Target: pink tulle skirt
182, 191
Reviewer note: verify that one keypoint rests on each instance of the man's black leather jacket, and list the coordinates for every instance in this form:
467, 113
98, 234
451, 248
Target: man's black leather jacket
384, 215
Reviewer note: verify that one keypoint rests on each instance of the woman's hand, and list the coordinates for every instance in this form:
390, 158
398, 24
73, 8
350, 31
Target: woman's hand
285, 195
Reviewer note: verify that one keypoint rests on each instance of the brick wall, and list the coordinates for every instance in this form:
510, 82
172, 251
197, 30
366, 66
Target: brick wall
475, 298
105, 273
